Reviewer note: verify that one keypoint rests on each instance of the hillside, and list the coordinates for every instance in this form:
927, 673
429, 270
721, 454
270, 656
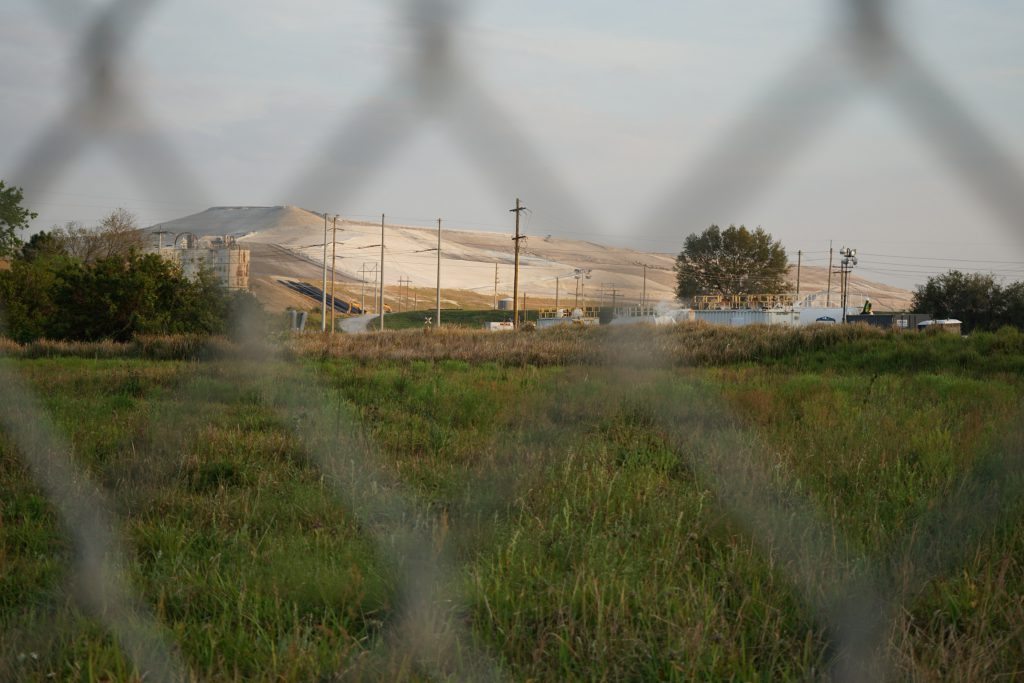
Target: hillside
287, 242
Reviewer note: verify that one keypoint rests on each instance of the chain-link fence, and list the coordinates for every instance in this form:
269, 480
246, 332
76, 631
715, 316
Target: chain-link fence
853, 595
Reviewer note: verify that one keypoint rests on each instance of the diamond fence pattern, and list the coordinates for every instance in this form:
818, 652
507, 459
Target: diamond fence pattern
866, 593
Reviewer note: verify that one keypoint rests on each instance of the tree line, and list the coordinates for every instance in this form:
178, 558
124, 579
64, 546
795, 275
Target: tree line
89, 284
738, 260
978, 300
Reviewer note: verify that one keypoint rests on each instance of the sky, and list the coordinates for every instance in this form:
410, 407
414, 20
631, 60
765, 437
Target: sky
631, 124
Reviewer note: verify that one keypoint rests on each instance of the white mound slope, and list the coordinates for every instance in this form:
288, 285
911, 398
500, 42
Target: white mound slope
468, 258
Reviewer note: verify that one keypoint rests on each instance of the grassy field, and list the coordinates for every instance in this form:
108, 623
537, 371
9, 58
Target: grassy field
706, 504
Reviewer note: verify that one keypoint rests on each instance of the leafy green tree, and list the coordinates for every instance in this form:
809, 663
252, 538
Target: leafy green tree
731, 261
27, 304
976, 299
13, 217
117, 298
1013, 305
57, 296
44, 244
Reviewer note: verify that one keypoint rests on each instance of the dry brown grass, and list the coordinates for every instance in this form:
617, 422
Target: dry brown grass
688, 344
154, 347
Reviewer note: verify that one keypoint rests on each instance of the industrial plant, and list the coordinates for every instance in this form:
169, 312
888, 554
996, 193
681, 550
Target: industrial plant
220, 256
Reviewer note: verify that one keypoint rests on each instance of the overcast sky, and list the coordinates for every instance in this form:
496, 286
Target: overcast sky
625, 123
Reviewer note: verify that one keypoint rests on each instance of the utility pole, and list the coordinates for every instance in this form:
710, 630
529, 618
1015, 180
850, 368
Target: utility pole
381, 309
160, 239
605, 288
495, 286
842, 287
362, 288
515, 280
334, 251
437, 322
376, 288
643, 295
828, 296
401, 294
846, 265
799, 261
580, 274
323, 289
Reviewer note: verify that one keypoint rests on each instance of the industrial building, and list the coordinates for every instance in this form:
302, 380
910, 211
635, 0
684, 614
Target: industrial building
220, 256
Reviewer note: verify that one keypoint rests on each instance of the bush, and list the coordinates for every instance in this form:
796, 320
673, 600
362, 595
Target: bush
116, 298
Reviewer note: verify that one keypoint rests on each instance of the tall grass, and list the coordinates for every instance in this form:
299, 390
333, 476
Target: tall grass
154, 347
844, 347
591, 536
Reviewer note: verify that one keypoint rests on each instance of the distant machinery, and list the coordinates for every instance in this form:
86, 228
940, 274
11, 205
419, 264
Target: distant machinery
579, 317
742, 302
191, 241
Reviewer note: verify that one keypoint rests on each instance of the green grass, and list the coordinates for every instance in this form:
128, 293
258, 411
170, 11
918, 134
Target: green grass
585, 510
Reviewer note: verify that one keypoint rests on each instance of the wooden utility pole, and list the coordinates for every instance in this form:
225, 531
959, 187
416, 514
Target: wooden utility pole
515, 279
495, 286
799, 261
323, 288
334, 251
605, 289
437, 322
643, 295
381, 309
376, 288
828, 296
403, 293
362, 289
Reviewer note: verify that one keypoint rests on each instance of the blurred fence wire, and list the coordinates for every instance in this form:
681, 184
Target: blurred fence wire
866, 54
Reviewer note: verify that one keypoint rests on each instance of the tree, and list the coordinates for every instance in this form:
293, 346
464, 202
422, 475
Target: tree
43, 245
116, 236
1013, 305
60, 297
731, 261
13, 217
120, 233
975, 299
